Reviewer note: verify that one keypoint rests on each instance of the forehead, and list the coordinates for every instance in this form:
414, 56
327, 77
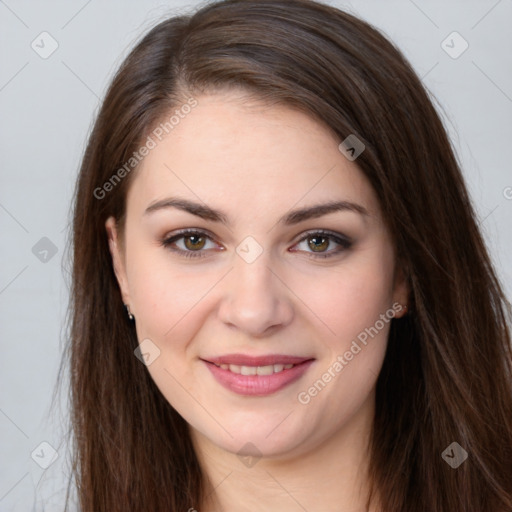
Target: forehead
246, 157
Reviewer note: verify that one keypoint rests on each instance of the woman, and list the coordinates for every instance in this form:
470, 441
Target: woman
281, 299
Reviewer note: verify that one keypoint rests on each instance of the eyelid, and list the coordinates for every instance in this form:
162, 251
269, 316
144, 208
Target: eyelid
344, 241
166, 241
326, 232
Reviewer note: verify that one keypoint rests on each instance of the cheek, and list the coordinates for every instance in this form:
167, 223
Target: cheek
172, 301
164, 298
358, 309
157, 290
352, 297
346, 298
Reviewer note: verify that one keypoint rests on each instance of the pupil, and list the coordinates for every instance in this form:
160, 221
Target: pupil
317, 246
195, 243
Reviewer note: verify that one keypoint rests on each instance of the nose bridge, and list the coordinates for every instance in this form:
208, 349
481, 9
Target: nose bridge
254, 298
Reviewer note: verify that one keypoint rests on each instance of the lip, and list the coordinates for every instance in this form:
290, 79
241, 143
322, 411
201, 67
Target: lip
245, 360
258, 385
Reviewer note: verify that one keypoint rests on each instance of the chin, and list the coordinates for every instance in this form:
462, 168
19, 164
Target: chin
253, 435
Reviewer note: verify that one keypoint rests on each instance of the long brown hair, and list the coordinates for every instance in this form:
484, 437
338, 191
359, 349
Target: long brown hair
447, 375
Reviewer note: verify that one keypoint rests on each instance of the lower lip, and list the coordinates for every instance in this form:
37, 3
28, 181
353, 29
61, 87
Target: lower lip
258, 385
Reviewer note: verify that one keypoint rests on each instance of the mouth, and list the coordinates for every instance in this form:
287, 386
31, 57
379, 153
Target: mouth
255, 370
260, 376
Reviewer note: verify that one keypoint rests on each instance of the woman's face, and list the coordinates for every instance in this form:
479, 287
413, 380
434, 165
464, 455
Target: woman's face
257, 278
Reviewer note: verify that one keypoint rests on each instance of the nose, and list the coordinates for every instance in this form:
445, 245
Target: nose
254, 298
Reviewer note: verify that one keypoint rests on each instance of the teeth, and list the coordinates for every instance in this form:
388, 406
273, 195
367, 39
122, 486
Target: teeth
248, 370
256, 370
265, 370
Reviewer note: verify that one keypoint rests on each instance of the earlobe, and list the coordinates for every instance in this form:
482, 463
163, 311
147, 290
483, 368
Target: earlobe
401, 292
117, 258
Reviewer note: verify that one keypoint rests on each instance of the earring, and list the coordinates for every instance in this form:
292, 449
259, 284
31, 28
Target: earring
406, 310
130, 316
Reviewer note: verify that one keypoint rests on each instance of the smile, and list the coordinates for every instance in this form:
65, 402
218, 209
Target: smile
260, 379
256, 370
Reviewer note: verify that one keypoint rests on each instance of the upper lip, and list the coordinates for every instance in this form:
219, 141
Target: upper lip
245, 360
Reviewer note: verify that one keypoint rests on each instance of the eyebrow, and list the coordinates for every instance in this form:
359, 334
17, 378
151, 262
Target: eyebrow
293, 217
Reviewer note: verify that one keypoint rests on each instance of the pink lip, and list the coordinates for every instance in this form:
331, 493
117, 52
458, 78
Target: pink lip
244, 360
258, 385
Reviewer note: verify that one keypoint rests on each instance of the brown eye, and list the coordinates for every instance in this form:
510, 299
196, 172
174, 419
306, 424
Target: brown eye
192, 246
194, 242
319, 241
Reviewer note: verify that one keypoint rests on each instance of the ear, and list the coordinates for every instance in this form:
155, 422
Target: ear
401, 291
118, 259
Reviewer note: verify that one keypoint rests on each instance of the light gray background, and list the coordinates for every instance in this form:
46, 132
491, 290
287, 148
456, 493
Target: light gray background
47, 107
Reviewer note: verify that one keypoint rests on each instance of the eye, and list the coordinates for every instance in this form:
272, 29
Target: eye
320, 240
195, 241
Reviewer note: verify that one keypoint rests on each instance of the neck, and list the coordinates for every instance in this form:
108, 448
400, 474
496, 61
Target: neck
330, 475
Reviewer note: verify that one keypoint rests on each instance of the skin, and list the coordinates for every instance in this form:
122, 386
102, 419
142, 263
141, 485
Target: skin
256, 163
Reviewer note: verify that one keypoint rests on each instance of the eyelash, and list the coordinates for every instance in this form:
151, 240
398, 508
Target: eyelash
344, 242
